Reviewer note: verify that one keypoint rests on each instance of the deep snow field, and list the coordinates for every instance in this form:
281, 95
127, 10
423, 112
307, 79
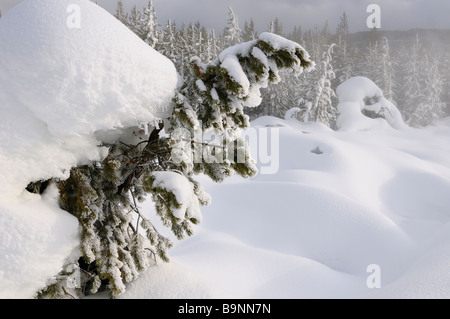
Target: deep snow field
326, 207
378, 197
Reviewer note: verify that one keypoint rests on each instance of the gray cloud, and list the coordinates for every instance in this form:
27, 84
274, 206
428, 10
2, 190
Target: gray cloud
395, 14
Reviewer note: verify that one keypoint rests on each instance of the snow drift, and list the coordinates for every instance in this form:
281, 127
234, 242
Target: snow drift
312, 229
60, 87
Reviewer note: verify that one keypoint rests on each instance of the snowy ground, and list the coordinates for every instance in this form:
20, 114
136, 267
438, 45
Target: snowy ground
312, 229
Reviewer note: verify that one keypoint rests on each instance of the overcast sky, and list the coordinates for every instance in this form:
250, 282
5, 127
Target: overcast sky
395, 14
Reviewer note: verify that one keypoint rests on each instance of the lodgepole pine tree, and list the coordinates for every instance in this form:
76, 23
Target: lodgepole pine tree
386, 71
120, 13
232, 32
117, 240
320, 107
169, 40
342, 58
428, 107
149, 30
249, 31
134, 22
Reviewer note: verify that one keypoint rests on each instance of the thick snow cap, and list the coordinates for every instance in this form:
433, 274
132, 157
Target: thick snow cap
77, 68
360, 95
69, 69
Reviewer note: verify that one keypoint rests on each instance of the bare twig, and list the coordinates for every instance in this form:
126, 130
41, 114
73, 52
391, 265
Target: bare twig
67, 293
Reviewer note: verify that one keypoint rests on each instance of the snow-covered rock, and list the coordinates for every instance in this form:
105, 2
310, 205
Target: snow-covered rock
360, 95
59, 84
68, 72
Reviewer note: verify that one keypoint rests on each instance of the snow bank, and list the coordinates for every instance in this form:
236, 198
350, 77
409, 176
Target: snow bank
169, 281
59, 84
68, 72
312, 229
36, 238
360, 94
428, 277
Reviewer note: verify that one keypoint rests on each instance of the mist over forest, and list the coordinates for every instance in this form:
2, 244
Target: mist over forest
411, 67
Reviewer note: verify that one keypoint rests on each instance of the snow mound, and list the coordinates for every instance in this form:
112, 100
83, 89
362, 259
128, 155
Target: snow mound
311, 229
36, 238
69, 71
362, 106
169, 281
118, 78
59, 84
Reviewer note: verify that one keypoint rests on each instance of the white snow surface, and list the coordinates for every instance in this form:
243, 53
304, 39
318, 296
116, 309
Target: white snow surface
36, 240
340, 201
59, 85
60, 88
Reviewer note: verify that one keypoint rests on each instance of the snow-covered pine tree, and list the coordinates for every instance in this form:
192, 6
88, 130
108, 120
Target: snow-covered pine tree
197, 40
212, 46
298, 87
275, 99
117, 240
342, 62
232, 33
214, 96
192, 40
325, 35
374, 36
383, 72
370, 60
278, 27
412, 94
320, 96
121, 15
249, 31
428, 107
134, 22
365, 57
203, 50
445, 72
149, 30
271, 27
434, 87
185, 52
297, 35
342, 28
168, 45
316, 39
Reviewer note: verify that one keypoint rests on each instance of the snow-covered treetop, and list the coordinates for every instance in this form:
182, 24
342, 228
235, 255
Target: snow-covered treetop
229, 60
215, 94
232, 31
